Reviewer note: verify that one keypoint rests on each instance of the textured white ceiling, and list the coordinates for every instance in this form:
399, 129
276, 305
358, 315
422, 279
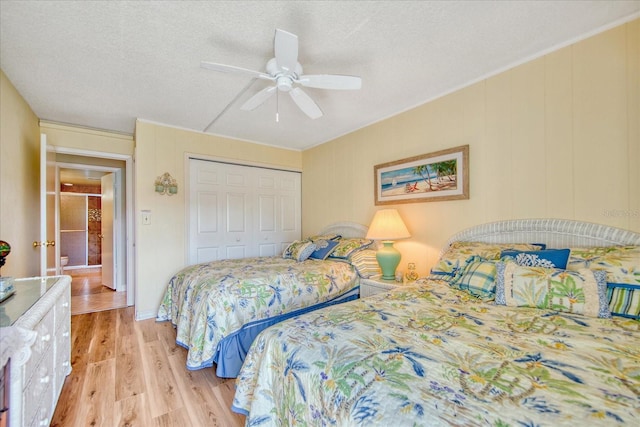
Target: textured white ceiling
103, 64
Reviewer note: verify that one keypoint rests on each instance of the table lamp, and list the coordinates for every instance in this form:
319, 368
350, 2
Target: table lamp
387, 226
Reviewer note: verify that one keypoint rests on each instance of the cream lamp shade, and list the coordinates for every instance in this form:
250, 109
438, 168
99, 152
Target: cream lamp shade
387, 226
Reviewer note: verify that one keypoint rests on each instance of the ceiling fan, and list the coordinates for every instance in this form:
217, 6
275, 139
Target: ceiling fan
286, 72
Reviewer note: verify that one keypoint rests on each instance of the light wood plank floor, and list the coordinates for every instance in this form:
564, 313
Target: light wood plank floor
88, 294
128, 373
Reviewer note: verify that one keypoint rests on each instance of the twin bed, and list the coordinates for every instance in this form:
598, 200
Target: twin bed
218, 308
434, 353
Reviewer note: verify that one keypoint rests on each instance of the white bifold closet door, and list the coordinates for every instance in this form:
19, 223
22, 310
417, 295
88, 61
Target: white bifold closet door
238, 211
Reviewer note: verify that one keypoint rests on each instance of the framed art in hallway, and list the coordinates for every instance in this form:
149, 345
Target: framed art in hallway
437, 176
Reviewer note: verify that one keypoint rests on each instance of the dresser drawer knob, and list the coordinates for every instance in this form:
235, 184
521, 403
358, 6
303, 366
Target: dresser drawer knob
45, 380
65, 334
46, 337
44, 422
65, 305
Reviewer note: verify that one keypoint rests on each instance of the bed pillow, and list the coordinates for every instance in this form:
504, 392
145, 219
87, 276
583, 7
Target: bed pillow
577, 292
548, 258
458, 255
299, 250
624, 300
347, 246
478, 279
323, 248
331, 236
365, 263
622, 266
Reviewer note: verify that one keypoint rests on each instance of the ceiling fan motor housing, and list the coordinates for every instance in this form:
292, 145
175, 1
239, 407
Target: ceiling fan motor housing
284, 78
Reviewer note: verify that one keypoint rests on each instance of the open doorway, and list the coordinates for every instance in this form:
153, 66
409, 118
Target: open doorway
89, 237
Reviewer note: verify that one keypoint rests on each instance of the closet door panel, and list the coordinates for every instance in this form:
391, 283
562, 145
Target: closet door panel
257, 210
237, 213
235, 252
266, 214
205, 213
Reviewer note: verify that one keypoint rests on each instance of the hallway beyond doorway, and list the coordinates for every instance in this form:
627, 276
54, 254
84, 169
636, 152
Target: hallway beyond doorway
88, 295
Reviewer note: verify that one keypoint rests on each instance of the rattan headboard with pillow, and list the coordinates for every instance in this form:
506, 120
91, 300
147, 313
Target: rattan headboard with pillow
346, 229
555, 233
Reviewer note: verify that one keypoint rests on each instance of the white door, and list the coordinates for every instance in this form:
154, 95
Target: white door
276, 219
219, 212
49, 254
240, 211
107, 231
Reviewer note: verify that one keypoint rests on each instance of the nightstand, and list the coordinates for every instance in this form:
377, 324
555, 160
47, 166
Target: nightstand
375, 285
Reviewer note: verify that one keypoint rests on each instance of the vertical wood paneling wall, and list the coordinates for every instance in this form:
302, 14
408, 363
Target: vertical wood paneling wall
161, 249
555, 137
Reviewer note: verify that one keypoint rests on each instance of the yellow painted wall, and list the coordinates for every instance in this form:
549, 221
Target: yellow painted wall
19, 181
161, 246
555, 137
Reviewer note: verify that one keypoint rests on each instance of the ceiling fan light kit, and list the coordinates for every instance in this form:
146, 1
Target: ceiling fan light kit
286, 73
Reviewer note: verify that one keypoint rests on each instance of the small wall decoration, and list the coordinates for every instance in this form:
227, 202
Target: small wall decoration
442, 175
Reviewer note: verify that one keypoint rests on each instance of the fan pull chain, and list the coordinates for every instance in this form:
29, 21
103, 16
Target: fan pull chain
277, 106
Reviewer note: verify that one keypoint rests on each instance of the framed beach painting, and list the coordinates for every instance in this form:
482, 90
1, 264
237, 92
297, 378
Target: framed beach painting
443, 175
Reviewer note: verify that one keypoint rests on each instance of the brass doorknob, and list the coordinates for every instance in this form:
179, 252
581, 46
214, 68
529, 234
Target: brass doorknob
45, 244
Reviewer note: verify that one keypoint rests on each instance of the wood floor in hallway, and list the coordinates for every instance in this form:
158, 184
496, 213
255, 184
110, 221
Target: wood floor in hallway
88, 294
128, 373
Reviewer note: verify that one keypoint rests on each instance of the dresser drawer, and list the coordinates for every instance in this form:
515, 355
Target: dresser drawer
63, 357
63, 310
43, 413
45, 337
38, 391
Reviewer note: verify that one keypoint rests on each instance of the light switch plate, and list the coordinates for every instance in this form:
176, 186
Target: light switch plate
146, 217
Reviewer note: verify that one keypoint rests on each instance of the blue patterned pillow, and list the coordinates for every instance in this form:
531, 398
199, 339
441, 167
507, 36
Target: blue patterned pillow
458, 255
299, 250
478, 279
323, 248
548, 258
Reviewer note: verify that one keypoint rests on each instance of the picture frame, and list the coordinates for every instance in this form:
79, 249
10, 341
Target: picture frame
438, 176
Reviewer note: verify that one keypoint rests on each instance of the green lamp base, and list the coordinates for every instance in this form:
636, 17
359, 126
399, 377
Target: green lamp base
388, 259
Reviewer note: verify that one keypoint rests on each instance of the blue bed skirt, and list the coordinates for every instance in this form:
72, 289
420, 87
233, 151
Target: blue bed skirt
232, 349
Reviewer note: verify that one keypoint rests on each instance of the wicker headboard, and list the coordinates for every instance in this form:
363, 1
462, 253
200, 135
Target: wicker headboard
555, 233
346, 229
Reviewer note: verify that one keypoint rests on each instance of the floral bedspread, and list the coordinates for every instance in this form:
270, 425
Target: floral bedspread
209, 301
428, 355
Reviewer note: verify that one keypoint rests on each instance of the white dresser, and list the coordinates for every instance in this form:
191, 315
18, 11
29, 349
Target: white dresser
41, 305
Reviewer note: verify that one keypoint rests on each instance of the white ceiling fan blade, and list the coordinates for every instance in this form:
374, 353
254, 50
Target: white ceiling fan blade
259, 98
233, 69
330, 81
286, 50
306, 104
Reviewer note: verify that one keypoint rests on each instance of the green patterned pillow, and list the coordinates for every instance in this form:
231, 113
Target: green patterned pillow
459, 254
299, 250
622, 266
365, 263
347, 246
624, 300
577, 292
